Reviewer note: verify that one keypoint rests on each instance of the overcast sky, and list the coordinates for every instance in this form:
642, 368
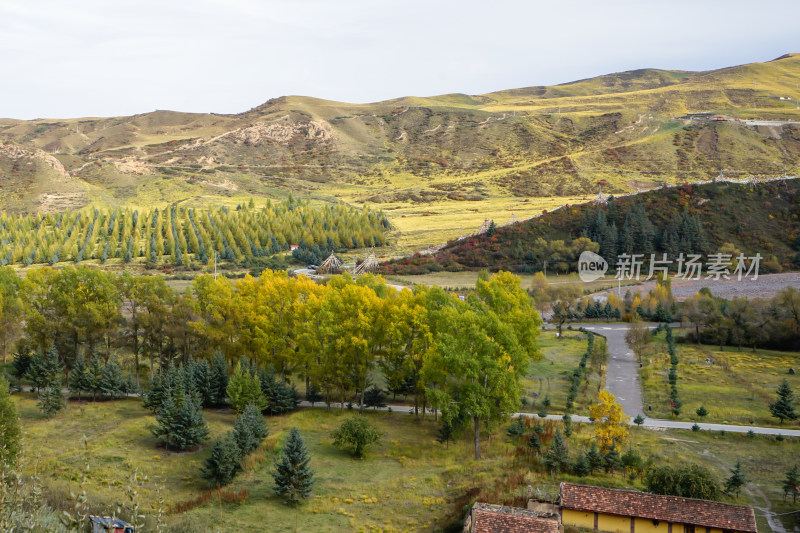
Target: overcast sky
76, 58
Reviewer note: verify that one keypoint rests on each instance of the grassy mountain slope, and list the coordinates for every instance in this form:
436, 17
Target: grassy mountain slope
517, 150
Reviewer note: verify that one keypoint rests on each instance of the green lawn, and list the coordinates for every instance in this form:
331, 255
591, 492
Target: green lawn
734, 386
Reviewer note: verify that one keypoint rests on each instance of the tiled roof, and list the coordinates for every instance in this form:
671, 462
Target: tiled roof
656, 507
500, 519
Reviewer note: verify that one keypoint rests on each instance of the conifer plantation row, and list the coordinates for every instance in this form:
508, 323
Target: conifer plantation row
182, 236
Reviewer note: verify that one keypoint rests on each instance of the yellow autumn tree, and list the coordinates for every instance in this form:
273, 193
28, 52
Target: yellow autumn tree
610, 423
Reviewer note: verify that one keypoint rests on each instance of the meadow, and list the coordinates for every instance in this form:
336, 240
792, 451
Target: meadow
408, 482
735, 386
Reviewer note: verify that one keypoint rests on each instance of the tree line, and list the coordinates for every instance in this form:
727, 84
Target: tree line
179, 235
462, 357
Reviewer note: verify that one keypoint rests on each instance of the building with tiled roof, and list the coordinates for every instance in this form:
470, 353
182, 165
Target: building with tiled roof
627, 511
487, 518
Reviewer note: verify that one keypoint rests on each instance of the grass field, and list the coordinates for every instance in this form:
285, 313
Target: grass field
735, 387
406, 483
551, 377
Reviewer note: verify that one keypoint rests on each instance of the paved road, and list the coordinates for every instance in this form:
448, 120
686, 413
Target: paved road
649, 423
622, 377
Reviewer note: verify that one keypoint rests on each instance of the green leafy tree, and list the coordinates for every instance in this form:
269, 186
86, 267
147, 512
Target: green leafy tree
791, 484
556, 458
292, 475
313, 394
632, 462
224, 462
244, 388
783, 408
736, 480
356, 434
9, 426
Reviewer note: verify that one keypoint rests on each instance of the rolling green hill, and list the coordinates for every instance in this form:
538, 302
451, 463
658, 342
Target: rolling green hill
451, 159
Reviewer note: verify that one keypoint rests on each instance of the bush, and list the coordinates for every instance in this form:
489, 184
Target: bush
356, 434
691, 481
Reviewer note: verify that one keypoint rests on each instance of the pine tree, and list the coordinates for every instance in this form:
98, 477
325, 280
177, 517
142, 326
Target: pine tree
293, 477
180, 422
737, 480
534, 442
702, 411
791, 484
612, 460
94, 376
36, 371
556, 458
245, 388
224, 462
783, 408
9, 426
112, 382
77, 376
595, 459
51, 398
249, 429
21, 364
581, 466
516, 428
218, 374
445, 434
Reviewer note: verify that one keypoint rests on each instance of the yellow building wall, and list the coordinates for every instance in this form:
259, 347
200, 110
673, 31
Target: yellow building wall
643, 525
577, 518
614, 524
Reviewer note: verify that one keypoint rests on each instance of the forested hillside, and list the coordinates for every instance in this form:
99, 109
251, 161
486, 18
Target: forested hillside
701, 219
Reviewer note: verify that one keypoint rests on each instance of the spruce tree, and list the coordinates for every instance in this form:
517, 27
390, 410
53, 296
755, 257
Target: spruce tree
112, 382
249, 429
21, 364
293, 477
595, 459
9, 426
445, 434
94, 376
556, 458
77, 376
534, 442
737, 480
791, 484
224, 462
36, 371
581, 466
51, 398
783, 408
218, 374
245, 388
612, 460
180, 422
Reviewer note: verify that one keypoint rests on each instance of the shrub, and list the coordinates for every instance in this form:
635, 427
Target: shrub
356, 434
